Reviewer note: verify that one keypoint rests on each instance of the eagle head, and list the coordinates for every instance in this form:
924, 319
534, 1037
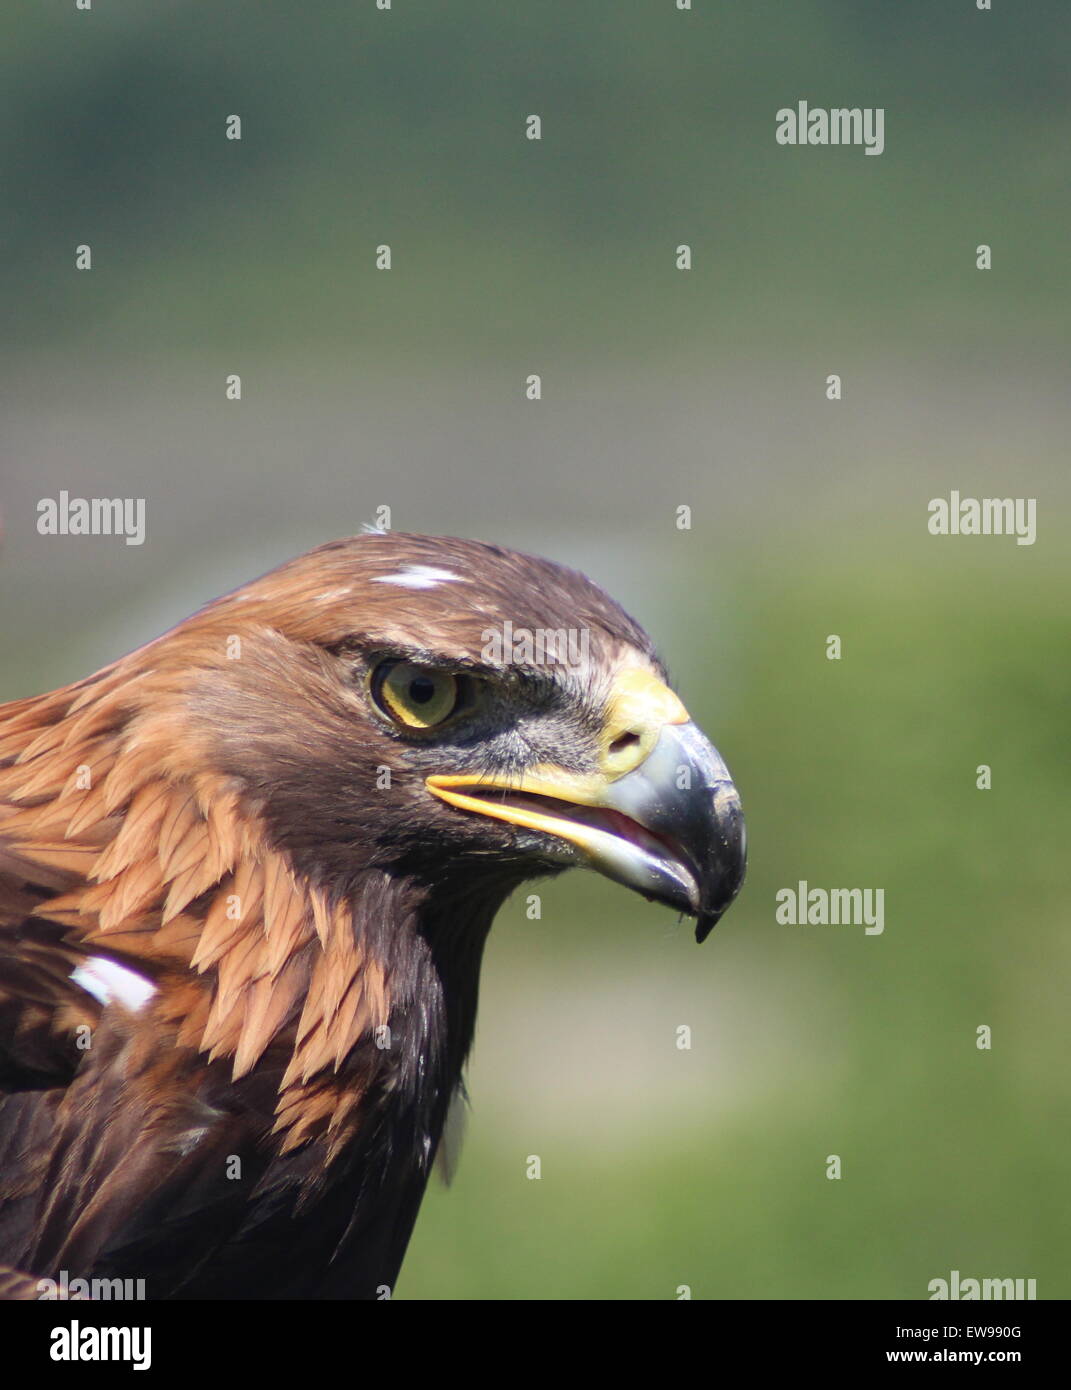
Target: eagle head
457, 713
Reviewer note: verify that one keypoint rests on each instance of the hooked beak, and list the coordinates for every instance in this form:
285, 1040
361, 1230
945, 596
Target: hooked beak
661, 815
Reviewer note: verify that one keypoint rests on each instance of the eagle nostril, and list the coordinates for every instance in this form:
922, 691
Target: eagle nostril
624, 741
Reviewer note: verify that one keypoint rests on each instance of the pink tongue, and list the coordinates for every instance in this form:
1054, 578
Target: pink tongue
620, 825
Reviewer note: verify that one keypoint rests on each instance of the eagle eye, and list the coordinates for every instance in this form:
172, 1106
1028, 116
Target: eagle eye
416, 697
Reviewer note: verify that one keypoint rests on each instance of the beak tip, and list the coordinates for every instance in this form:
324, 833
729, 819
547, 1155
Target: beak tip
707, 918
704, 926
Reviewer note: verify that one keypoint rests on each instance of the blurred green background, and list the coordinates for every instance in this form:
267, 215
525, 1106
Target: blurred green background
362, 388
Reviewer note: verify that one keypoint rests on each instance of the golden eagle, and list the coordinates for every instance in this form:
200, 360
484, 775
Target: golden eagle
246, 875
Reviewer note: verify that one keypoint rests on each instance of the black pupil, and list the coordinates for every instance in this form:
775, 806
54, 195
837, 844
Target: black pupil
421, 690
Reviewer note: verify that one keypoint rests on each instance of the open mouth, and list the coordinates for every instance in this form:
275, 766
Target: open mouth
553, 811
607, 840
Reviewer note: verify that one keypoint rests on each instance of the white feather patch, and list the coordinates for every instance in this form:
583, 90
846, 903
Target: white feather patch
111, 982
418, 577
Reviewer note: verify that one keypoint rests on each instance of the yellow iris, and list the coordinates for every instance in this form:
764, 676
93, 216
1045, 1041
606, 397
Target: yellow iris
417, 697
